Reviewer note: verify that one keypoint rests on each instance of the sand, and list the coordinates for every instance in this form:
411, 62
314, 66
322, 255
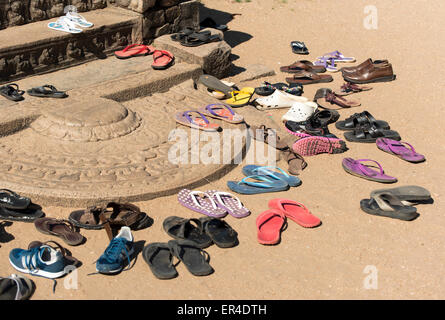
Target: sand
331, 261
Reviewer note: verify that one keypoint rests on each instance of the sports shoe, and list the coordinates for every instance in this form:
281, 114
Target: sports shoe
117, 254
43, 261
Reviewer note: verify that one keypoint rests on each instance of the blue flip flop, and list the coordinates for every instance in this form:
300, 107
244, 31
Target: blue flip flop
265, 171
250, 187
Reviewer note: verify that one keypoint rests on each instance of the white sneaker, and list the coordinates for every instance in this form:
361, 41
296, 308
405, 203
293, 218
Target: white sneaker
278, 99
300, 111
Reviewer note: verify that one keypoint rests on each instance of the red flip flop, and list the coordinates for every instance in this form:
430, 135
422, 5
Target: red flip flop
162, 59
134, 50
269, 225
295, 211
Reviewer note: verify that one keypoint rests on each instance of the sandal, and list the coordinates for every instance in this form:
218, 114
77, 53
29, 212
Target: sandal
200, 121
185, 32
199, 38
12, 92
327, 63
298, 47
305, 77
356, 168
407, 194
29, 214
222, 112
183, 229
271, 172
230, 203
387, 205
370, 133
160, 260
162, 59
210, 23
296, 212
269, 225
267, 89
296, 162
201, 202
268, 135
349, 88
134, 50
240, 98
60, 228
305, 65
47, 91
326, 97
215, 84
262, 184
11, 200
358, 120
401, 149
16, 287
338, 57
195, 259
220, 232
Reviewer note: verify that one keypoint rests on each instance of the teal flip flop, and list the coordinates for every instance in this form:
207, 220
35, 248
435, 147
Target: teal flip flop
250, 170
249, 187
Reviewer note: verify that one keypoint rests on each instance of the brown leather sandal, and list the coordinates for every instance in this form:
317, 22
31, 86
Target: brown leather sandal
262, 134
305, 65
296, 162
305, 77
325, 98
60, 228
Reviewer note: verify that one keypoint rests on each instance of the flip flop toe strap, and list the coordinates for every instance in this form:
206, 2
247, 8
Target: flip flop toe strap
210, 108
362, 167
257, 184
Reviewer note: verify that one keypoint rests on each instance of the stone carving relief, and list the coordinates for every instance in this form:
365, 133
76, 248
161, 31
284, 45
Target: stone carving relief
56, 8
37, 10
16, 13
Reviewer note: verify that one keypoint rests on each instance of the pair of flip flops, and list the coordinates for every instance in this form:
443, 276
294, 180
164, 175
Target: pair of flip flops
260, 179
270, 223
71, 23
361, 119
358, 169
396, 203
159, 257
162, 59
13, 93
213, 203
197, 118
329, 60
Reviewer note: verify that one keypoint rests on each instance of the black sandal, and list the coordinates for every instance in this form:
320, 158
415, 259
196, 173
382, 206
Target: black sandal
199, 38
183, 229
185, 32
12, 92
370, 133
195, 259
47, 91
220, 232
299, 47
361, 119
160, 260
387, 205
11, 200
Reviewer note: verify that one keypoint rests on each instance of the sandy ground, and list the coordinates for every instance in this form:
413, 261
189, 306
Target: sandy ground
327, 262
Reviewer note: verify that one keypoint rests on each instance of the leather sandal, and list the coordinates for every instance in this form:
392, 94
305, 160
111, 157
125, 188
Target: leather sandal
370, 133
12, 92
305, 77
296, 162
59, 228
325, 98
262, 133
305, 65
350, 88
361, 119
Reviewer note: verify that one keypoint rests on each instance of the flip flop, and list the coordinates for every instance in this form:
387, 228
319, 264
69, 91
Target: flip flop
200, 121
356, 168
220, 232
296, 212
350, 88
185, 32
16, 287
11, 200
362, 119
64, 24
271, 172
338, 57
325, 98
47, 91
305, 77
12, 92
400, 150
187, 229
240, 98
210, 23
268, 88
162, 59
78, 20
215, 84
29, 214
262, 185
296, 162
134, 50
407, 194
195, 259
60, 228
160, 260
201, 202
269, 225
198, 38
387, 205
327, 63
221, 95
298, 47
370, 133
222, 112
231, 204
303, 65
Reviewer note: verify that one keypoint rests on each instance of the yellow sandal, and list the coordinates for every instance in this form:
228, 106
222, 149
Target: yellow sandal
240, 98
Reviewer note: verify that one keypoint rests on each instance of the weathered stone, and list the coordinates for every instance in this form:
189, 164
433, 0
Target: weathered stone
172, 13
165, 29
168, 3
189, 15
214, 57
256, 71
139, 6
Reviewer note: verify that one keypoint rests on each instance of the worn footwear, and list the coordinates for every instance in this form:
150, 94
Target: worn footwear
326, 98
358, 169
16, 287
160, 260
313, 145
407, 194
296, 212
47, 91
361, 119
60, 228
370, 133
363, 65
268, 136
348, 88
277, 100
269, 225
12, 92
187, 229
305, 65
221, 233
306, 77
388, 205
298, 47
300, 111
401, 149
11, 200
117, 254
371, 73
29, 214
196, 260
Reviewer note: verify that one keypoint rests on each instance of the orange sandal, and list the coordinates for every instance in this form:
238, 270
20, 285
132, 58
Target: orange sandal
134, 50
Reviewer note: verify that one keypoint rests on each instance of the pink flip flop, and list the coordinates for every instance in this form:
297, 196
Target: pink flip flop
269, 225
296, 212
201, 202
134, 50
399, 149
230, 203
162, 59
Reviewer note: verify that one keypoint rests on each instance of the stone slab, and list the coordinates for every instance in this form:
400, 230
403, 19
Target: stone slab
256, 71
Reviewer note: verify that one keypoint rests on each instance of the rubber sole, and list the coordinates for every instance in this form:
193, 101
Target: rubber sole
41, 273
388, 214
292, 80
171, 63
401, 157
413, 193
370, 140
381, 79
367, 178
313, 145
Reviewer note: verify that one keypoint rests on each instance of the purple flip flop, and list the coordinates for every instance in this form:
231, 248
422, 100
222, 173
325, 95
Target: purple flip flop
229, 203
399, 149
356, 168
201, 202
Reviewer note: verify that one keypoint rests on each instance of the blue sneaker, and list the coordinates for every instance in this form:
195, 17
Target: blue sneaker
43, 261
117, 254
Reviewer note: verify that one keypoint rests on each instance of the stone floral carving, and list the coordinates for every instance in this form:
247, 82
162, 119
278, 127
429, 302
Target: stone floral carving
37, 10
16, 13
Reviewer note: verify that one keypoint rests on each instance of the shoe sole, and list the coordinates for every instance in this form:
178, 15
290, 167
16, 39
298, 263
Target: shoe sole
311, 146
382, 79
41, 273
